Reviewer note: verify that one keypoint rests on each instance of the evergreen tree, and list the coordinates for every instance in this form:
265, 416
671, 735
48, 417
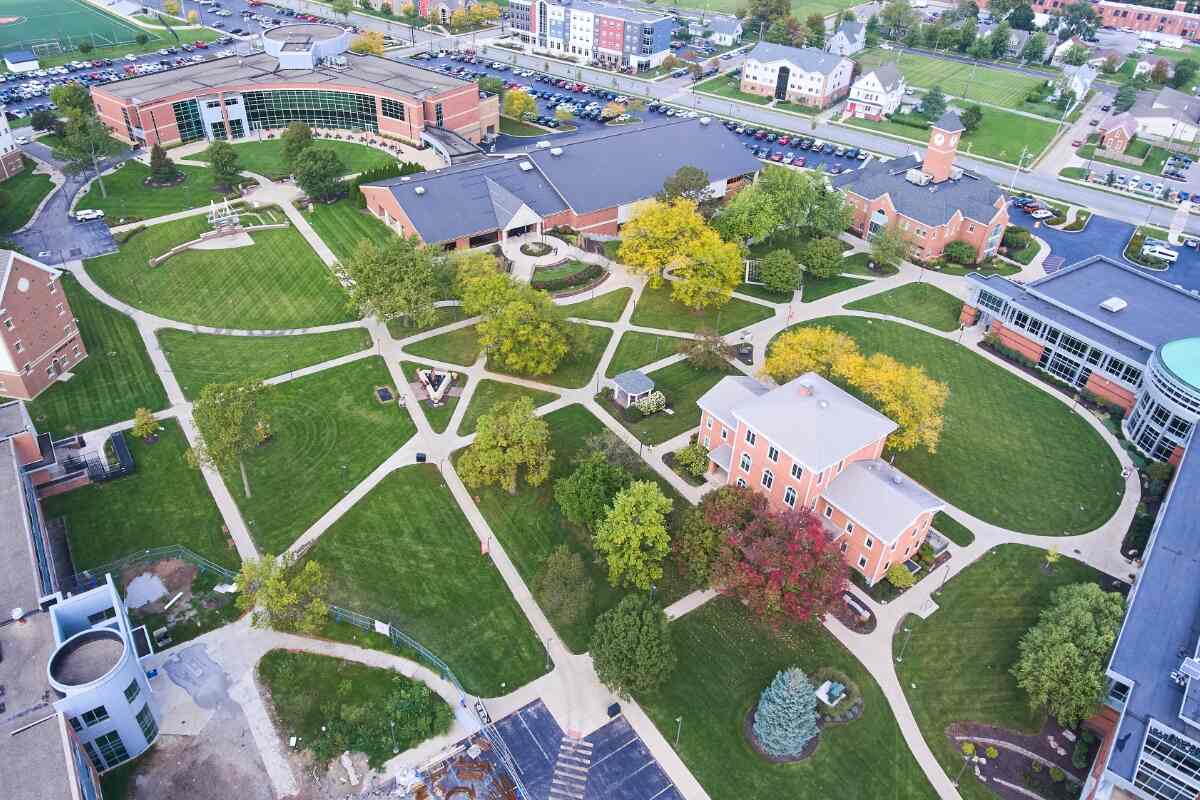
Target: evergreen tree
162, 168
934, 104
786, 717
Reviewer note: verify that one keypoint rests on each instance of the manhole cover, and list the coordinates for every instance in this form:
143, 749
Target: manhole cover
76, 251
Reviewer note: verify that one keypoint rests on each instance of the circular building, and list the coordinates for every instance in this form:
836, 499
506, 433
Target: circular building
305, 46
1168, 403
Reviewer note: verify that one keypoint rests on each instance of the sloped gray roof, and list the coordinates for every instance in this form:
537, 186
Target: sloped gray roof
880, 497
634, 382
728, 392
1168, 102
13, 419
809, 59
1125, 121
727, 25
949, 122
975, 195
854, 31
888, 75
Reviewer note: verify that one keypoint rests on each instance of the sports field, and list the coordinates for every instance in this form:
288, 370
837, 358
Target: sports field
23, 22
800, 8
983, 84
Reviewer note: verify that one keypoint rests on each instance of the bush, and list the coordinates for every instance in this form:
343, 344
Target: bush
1079, 758
899, 576
652, 403
394, 169
960, 253
693, 458
563, 587
992, 752
1016, 238
786, 717
1057, 775
586, 275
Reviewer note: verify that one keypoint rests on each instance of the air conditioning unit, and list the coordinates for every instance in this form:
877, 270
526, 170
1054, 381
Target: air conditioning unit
556, 151
526, 166
705, 120
917, 177
1114, 304
419, 190
955, 173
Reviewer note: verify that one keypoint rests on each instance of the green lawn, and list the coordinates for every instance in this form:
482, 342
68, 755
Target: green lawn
656, 309
406, 554
198, 359
919, 302
301, 687
682, 384
763, 293
819, 288
953, 530
729, 87
604, 308
858, 264
515, 127
978, 82
158, 40
800, 8
266, 157
1000, 135
401, 328
637, 349
726, 659
328, 433
1010, 453
342, 226
961, 667
114, 380
23, 192
580, 364
165, 502
277, 283
489, 393
130, 199
530, 526
1155, 156
460, 346
438, 416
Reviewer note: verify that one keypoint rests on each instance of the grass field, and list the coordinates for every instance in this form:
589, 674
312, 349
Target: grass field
129, 199
266, 157
406, 554
1010, 453
953, 530
919, 302
800, 8
43, 20
110, 384
1000, 135
819, 288
603, 308
438, 416
637, 349
165, 502
443, 315
727, 86
328, 433
726, 659
342, 226
489, 392
460, 346
980, 83
198, 359
277, 283
24, 192
960, 668
656, 309
682, 384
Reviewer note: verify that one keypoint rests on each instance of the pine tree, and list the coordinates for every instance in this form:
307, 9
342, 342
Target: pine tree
786, 717
162, 168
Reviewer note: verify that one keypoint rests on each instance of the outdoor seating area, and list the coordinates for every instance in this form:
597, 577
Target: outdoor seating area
435, 385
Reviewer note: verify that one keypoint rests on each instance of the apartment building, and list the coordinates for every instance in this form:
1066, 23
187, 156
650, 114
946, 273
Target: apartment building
604, 34
39, 335
802, 75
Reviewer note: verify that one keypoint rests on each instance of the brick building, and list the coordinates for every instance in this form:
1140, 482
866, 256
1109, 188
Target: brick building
39, 335
1175, 21
803, 75
11, 159
932, 201
808, 445
608, 34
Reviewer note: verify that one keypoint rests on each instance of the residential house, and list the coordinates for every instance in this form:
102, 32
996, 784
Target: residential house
877, 94
809, 446
849, 39
1077, 80
1017, 40
1169, 115
928, 198
725, 31
1117, 132
1060, 52
803, 75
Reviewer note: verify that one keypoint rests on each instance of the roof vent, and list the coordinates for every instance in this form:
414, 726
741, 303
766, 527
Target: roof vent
917, 177
1114, 304
823, 403
705, 120
542, 145
804, 389
556, 151
896, 479
526, 166
419, 190
956, 173
1190, 667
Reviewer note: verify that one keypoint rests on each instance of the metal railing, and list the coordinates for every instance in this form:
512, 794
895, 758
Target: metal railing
90, 578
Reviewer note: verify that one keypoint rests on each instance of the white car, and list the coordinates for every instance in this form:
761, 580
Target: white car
1160, 252
22, 140
88, 214
1042, 213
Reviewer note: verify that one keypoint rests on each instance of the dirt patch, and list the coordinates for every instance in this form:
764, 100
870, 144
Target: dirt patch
176, 575
179, 178
1011, 766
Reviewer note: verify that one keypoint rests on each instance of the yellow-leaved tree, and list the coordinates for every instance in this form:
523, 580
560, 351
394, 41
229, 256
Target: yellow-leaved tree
526, 333
709, 272
658, 235
802, 350
368, 42
517, 103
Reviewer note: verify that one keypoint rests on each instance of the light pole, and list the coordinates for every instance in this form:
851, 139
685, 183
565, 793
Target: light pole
904, 647
678, 730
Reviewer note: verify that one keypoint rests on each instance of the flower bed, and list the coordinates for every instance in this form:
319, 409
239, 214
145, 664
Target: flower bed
566, 275
536, 249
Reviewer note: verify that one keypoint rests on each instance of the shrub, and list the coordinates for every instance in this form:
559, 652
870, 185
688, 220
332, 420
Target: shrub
899, 576
992, 752
693, 458
960, 253
1057, 775
394, 169
1016, 238
1079, 758
786, 717
652, 403
968, 748
563, 587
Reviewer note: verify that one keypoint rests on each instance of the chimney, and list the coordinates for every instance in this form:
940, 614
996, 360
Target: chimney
804, 389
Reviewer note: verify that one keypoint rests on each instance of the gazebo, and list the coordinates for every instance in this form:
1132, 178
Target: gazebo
630, 387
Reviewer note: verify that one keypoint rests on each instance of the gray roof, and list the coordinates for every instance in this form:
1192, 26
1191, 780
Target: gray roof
729, 25
473, 198
1125, 121
1163, 621
949, 122
1017, 38
809, 59
729, 392
13, 419
974, 195
888, 75
631, 164
1168, 102
853, 30
722, 456
814, 421
880, 497
634, 382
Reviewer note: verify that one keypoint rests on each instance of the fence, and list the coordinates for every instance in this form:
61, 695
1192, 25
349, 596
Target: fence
90, 578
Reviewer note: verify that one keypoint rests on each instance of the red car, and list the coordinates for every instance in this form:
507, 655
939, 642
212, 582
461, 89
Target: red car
1077, 143
760, 135
799, 162
777, 156
783, 140
201, 45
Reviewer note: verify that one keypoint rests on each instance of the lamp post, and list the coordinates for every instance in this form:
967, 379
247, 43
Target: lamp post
678, 730
904, 647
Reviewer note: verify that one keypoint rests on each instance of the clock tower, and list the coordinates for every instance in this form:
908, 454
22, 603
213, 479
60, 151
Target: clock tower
943, 146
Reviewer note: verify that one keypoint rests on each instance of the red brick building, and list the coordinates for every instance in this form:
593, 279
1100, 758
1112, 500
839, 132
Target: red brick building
39, 335
1117, 132
928, 198
1175, 21
808, 445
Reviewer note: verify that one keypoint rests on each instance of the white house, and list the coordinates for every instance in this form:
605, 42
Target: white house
1078, 80
849, 39
877, 93
803, 75
724, 31
1060, 52
20, 61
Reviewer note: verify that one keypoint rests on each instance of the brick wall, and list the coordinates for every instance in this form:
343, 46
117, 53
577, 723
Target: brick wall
1017, 341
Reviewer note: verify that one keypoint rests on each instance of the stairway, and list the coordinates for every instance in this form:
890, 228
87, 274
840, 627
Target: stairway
571, 769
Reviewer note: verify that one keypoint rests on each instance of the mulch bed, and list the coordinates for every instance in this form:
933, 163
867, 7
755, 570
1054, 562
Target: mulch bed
574, 290
850, 619
179, 178
748, 731
1016, 768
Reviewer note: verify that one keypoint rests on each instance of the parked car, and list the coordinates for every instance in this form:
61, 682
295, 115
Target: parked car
1042, 213
88, 214
1160, 252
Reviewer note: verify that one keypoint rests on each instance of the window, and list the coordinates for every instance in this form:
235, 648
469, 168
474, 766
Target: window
839, 466
741, 483
744, 463
850, 528
95, 716
132, 691
708, 423
18, 346
797, 470
76, 725
191, 126
100, 616
112, 749
437, 112
862, 562
724, 434
59, 308
146, 722
768, 479
870, 543
845, 546
93, 755
50, 285
706, 444
8, 324
393, 109
828, 511
277, 108
773, 453
750, 437
789, 497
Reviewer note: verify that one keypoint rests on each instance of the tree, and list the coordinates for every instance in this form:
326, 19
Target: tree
693, 458
72, 97
890, 247
960, 252
585, 495
144, 423
222, 158
779, 271
933, 105
226, 415
1161, 72
141, 38
707, 351
171, 7
509, 438
633, 538
999, 40
86, 46
971, 117
785, 719
707, 271
393, 280
517, 104
563, 115
690, 183
491, 85
808, 349
368, 42
162, 168
319, 172
899, 576
613, 448
897, 16
658, 235
342, 8
822, 257
631, 647
1078, 19
85, 142
749, 216
905, 393
1021, 18
479, 283
459, 19
769, 9
967, 35
43, 120
1034, 50
704, 528
815, 30
1111, 64
1076, 55
283, 597
526, 334
563, 588
1061, 659
1126, 96
296, 138
193, 17
1185, 73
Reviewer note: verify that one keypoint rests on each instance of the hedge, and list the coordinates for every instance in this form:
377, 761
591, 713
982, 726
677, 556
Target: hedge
395, 169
